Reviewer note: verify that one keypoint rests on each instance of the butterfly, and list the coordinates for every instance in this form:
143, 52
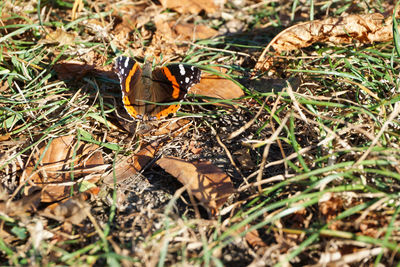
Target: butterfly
143, 90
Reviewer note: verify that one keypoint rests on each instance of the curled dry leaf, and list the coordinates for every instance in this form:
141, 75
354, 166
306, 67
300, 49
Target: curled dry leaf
193, 6
53, 172
217, 86
208, 183
128, 166
363, 28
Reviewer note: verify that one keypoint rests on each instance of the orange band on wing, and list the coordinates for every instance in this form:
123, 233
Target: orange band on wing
130, 75
175, 85
167, 111
128, 106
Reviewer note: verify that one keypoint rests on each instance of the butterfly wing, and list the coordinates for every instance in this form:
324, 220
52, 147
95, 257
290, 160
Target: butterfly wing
133, 90
171, 84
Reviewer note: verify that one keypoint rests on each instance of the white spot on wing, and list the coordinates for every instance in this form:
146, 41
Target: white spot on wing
182, 69
187, 80
126, 62
192, 68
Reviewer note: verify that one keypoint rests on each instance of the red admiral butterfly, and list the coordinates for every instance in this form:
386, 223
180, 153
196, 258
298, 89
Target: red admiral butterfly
143, 89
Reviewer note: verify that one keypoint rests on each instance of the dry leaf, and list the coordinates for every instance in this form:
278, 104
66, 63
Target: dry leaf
184, 31
163, 40
193, 148
330, 206
54, 169
254, 239
5, 137
131, 18
38, 233
363, 28
208, 183
72, 70
59, 36
217, 87
4, 86
244, 158
72, 210
171, 32
193, 6
22, 206
88, 63
130, 165
190, 31
172, 128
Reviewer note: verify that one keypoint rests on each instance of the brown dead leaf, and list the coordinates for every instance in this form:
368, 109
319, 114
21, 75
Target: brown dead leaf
330, 206
130, 165
169, 33
53, 172
208, 183
4, 86
22, 206
172, 128
72, 210
60, 36
75, 70
193, 6
72, 70
163, 40
182, 31
254, 239
131, 18
367, 28
216, 86
87, 63
5, 137
191, 31
193, 147
244, 158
